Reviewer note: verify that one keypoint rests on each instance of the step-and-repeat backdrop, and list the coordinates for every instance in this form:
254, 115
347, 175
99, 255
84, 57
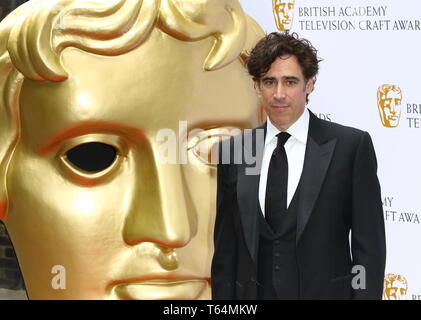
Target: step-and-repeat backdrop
370, 79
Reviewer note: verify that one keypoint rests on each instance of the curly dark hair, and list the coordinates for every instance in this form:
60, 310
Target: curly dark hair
277, 44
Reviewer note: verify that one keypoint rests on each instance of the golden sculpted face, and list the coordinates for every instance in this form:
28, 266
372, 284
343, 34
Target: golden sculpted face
389, 99
92, 211
283, 11
395, 287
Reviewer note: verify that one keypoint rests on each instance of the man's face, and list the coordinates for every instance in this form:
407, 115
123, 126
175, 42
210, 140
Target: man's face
390, 108
284, 11
134, 228
283, 91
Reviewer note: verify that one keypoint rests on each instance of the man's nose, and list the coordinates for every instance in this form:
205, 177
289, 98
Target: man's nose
279, 93
159, 212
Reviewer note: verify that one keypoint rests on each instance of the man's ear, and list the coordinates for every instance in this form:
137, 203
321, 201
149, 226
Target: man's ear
310, 85
10, 84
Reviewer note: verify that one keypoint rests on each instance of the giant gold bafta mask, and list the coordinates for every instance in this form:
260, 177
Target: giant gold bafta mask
87, 86
283, 11
389, 99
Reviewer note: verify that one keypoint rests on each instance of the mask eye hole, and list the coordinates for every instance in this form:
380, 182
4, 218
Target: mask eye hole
92, 156
203, 143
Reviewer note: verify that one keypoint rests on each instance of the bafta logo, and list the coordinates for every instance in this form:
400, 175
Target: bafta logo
395, 286
283, 11
389, 99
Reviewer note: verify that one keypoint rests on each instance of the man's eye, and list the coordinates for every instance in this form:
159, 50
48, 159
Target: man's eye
92, 157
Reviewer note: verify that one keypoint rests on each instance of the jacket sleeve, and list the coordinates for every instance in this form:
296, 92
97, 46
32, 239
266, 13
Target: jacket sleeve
368, 242
223, 271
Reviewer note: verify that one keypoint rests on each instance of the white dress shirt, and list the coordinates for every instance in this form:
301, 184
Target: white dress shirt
295, 149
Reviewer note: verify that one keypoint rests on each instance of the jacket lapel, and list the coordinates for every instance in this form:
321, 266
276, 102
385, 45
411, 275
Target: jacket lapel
248, 176
319, 151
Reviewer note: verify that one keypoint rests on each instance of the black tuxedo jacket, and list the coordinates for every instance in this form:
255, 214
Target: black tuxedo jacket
338, 194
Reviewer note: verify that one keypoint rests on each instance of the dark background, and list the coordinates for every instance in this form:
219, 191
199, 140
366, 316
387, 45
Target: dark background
10, 276
7, 6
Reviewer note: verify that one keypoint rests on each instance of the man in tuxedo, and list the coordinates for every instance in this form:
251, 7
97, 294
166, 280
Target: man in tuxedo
283, 231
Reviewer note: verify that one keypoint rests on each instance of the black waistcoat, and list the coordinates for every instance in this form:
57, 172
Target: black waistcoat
278, 275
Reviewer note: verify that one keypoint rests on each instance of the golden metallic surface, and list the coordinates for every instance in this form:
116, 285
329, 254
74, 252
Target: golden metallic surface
121, 73
389, 104
164, 289
283, 12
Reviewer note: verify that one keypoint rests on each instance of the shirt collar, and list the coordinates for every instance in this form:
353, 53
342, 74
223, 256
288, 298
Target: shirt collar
298, 130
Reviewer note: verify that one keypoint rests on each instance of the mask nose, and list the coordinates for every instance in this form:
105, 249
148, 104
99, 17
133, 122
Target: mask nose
158, 211
393, 107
